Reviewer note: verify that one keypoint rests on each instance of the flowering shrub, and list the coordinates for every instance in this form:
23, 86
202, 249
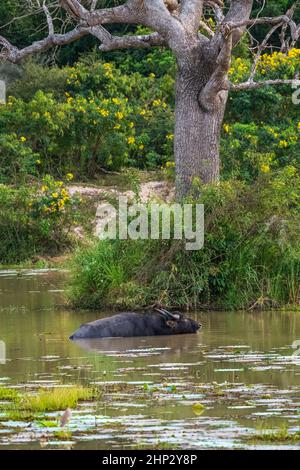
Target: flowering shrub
249, 149
52, 199
35, 220
104, 117
18, 161
269, 66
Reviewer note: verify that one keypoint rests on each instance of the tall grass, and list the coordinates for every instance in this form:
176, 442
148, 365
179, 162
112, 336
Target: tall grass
251, 256
56, 399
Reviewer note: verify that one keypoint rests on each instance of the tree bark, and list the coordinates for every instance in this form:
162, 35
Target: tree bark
197, 128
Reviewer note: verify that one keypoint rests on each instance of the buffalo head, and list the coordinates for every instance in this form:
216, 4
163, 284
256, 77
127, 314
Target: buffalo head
178, 322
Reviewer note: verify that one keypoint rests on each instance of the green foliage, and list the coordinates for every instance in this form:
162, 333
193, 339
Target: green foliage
97, 118
98, 115
56, 399
18, 162
8, 394
251, 149
34, 77
251, 252
34, 220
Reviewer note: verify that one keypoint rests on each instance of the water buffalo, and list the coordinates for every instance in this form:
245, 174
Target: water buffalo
128, 324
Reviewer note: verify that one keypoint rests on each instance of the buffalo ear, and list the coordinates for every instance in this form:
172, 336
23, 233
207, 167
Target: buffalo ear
171, 323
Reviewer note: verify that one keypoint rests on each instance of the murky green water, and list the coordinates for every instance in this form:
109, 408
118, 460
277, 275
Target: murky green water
241, 367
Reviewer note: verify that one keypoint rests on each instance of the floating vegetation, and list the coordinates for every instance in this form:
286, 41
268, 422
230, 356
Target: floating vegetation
57, 399
62, 435
198, 409
8, 394
281, 434
192, 391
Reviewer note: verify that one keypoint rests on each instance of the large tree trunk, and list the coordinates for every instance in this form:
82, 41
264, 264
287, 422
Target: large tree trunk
197, 130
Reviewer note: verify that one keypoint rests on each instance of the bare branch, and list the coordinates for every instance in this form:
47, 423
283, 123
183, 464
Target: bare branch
261, 48
150, 13
132, 42
15, 55
275, 20
206, 28
49, 18
126, 13
237, 17
254, 85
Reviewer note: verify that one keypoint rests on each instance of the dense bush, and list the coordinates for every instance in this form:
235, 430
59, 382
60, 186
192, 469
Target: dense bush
102, 119
18, 161
35, 220
251, 253
97, 115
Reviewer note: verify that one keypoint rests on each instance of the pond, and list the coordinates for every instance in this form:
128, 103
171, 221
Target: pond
223, 388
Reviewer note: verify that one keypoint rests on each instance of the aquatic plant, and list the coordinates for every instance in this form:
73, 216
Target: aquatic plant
56, 399
281, 434
8, 394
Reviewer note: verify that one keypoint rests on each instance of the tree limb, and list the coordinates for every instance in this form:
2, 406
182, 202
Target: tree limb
15, 55
191, 13
236, 19
219, 80
132, 42
254, 85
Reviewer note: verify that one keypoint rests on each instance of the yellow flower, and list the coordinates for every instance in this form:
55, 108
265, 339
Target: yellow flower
265, 168
38, 162
152, 75
131, 140
170, 164
283, 144
116, 101
143, 112
131, 125
23, 139
117, 126
141, 147
298, 126
107, 66
170, 136
55, 195
69, 176
119, 115
226, 128
156, 103
44, 188
104, 112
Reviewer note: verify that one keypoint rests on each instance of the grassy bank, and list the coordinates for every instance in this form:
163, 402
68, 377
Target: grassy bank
251, 256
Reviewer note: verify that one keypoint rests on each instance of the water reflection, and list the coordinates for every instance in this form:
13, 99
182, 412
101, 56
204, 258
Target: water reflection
240, 366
